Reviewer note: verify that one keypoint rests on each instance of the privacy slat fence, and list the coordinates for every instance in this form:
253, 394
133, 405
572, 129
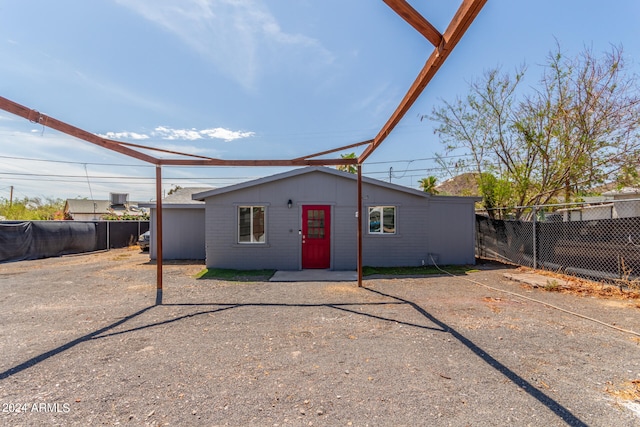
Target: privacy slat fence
599, 241
24, 240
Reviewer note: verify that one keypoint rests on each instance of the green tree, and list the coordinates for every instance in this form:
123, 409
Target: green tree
577, 129
174, 188
480, 125
348, 168
496, 193
32, 209
428, 184
112, 216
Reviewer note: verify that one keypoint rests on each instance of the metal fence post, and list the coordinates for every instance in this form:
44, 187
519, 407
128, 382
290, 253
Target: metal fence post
535, 252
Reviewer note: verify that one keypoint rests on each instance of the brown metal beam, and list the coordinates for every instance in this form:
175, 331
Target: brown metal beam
359, 220
44, 120
160, 150
275, 162
444, 44
123, 147
346, 147
417, 21
459, 24
158, 239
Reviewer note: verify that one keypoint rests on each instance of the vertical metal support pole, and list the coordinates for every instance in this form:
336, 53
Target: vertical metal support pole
159, 227
535, 246
359, 221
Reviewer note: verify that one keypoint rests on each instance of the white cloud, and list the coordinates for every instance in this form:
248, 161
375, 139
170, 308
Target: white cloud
193, 134
167, 133
51, 145
236, 35
125, 135
172, 134
226, 134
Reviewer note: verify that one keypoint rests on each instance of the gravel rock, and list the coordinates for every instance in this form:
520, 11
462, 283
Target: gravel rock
83, 342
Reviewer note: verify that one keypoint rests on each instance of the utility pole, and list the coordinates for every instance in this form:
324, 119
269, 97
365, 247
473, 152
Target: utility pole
11, 197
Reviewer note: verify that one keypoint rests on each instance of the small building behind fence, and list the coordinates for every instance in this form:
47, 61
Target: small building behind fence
118, 205
594, 240
624, 203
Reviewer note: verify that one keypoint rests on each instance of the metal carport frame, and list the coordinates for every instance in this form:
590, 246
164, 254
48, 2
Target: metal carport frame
443, 45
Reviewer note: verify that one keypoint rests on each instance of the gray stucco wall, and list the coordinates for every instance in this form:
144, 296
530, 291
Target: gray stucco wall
424, 225
451, 227
404, 247
282, 249
182, 233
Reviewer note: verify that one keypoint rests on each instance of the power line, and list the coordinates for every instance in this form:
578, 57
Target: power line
214, 181
150, 183
88, 182
418, 160
120, 177
75, 163
176, 178
71, 176
386, 172
152, 166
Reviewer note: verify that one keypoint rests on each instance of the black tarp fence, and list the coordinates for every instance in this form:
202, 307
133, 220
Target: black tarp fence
606, 249
25, 240
119, 234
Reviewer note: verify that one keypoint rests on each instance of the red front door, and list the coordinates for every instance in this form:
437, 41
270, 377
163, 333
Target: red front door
316, 227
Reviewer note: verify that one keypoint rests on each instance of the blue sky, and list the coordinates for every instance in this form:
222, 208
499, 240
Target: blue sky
252, 79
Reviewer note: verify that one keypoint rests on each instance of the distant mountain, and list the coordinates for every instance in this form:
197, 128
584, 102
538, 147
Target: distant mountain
460, 185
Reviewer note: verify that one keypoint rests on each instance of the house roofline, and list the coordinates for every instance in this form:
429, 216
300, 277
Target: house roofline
174, 205
302, 171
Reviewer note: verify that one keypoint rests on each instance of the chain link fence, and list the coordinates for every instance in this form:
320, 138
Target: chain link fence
593, 240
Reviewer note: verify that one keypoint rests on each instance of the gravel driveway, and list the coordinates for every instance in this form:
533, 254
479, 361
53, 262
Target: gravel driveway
83, 342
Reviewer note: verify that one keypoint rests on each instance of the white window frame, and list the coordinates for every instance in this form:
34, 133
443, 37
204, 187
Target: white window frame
253, 241
380, 210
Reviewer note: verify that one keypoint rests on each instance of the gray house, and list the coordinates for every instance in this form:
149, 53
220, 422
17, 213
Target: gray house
86, 210
182, 225
306, 218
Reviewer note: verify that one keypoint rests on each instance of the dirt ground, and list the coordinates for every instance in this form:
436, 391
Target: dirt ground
84, 342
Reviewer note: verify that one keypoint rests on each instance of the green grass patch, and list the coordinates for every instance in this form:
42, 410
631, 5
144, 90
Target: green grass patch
263, 275
416, 271
235, 275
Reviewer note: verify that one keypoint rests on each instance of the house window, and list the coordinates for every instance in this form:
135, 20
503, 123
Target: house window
382, 220
315, 224
251, 224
